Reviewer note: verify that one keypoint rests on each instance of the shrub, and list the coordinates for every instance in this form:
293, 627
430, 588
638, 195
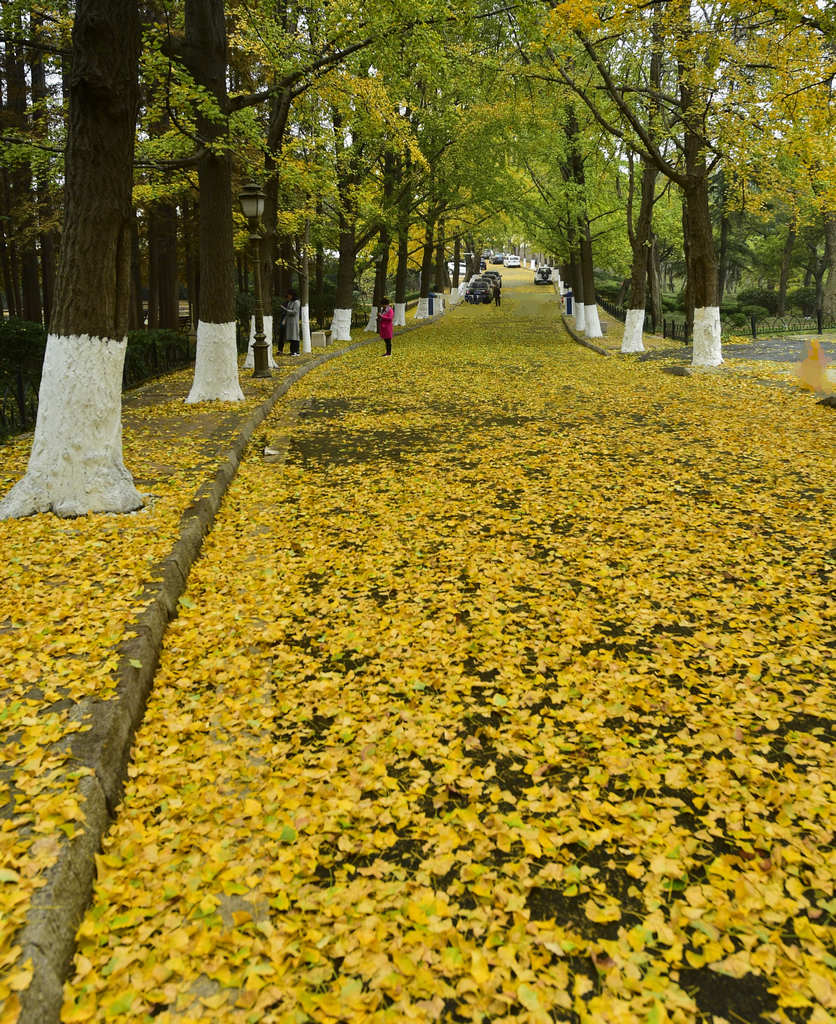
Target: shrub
763, 297
803, 299
22, 345
758, 312
150, 353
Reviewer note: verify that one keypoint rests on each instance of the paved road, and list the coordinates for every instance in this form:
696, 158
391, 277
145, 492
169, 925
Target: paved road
500, 695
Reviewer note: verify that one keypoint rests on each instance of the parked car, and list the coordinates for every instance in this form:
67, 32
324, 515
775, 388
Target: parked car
479, 291
451, 266
543, 275
498, 257
512, 261
494, 275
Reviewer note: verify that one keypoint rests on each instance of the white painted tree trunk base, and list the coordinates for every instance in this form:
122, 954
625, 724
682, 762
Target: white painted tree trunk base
455, 297
423, 310
305, 325
708, 348
579, 316
399, 319
371, 326
632, 340
592, 322
216, 365
75, 466
249, 361
341, 325
438, 304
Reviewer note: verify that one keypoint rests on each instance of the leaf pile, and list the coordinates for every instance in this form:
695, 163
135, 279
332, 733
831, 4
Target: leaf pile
508, 696
68, 589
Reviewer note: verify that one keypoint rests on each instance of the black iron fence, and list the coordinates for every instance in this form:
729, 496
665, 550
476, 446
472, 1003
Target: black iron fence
733, 323
149, 354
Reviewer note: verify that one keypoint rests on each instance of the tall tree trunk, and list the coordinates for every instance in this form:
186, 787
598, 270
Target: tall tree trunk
426, 268
457, 256
47, 234
654, 283
828, 303
76, 462
440, 283
786, 259
216, 360
136, 312
640, 243
400, 275
23, 211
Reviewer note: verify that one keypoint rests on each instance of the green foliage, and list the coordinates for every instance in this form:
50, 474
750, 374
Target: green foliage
764, 298
150, 353
22, 343
804, 299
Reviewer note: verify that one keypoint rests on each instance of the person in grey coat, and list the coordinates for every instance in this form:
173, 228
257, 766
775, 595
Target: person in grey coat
291, 312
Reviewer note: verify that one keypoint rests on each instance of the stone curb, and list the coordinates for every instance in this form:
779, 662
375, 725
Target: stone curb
581, 340
103, 752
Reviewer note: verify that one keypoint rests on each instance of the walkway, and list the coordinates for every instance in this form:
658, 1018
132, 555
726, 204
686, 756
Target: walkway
503, 694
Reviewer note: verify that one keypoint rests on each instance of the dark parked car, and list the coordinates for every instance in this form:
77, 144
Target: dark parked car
498, 257
479, 291
494, 275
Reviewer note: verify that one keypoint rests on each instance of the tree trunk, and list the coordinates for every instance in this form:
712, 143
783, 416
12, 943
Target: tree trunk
216, 359
76, 462
591, 320
47, 236
440, 283
654, 283
786, 258
640, 241
457, 256
136, 312
828, 303
400, 276
423, 310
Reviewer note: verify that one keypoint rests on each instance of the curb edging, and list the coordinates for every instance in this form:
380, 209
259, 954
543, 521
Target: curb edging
581, 340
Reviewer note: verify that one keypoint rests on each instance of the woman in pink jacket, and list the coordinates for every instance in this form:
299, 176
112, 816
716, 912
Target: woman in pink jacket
384, 324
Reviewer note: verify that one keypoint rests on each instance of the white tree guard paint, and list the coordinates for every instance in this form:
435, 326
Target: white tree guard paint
341, 325
633, 328
455, 297
399, 320
423, 310
371, 326
708, 348
438, 304
75, 465
249, 361
579, 315
305, 325
592, 322
216, 365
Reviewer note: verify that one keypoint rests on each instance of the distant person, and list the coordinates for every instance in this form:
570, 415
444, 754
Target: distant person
292, 310
385, 319
497, 293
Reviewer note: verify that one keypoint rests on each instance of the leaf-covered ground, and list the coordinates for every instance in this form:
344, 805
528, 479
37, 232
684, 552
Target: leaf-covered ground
507, 695
68, 589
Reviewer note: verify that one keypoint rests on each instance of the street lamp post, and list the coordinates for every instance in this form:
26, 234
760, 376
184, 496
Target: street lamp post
252, 206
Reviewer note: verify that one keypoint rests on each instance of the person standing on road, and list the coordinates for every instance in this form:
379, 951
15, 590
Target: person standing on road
292, 310
384, 324
497, 292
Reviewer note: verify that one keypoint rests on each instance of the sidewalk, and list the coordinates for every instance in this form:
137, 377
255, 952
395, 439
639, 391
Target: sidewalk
83, 606
501, 694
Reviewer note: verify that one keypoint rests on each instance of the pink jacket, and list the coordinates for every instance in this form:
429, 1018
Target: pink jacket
385, 318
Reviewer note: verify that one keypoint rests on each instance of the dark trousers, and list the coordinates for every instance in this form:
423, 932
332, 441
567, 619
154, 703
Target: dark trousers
496, 297
294, 347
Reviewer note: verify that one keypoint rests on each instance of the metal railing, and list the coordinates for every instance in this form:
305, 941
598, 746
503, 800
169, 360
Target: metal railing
735, 323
